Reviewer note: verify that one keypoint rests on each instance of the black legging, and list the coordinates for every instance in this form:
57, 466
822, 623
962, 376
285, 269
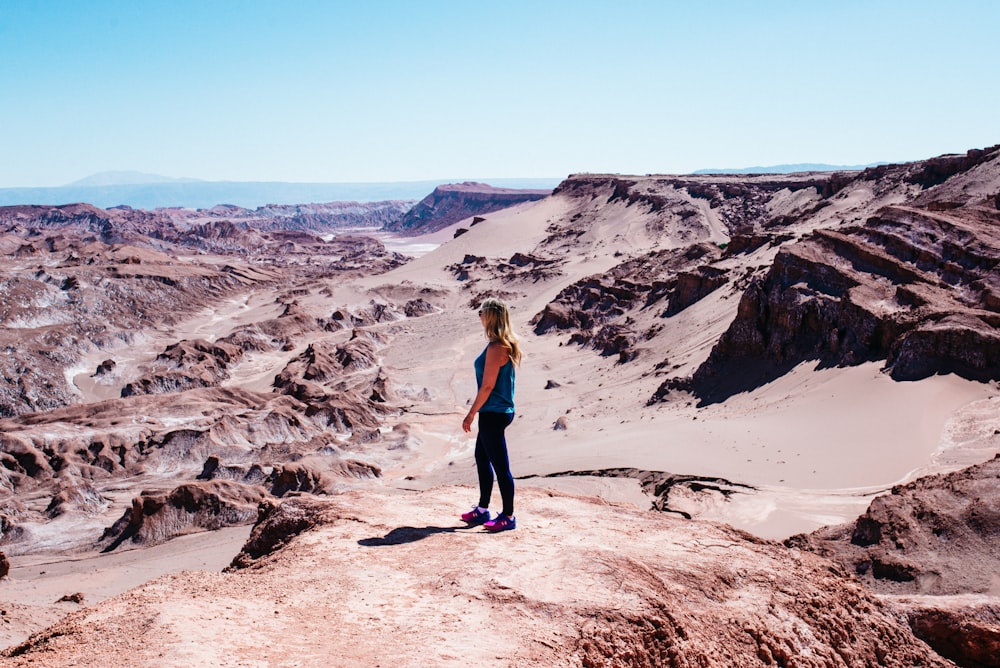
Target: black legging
491, 456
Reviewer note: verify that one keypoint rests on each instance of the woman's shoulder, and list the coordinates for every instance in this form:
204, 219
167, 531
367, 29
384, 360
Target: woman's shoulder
497, 348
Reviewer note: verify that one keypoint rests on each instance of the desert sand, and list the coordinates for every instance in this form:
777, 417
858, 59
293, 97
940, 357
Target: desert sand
807, 449
815, 445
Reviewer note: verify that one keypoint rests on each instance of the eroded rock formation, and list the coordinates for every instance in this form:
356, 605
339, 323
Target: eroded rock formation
451, 203
79, 278
936, 535
931, 547
157, 516
185, 365
598, 310
914, 285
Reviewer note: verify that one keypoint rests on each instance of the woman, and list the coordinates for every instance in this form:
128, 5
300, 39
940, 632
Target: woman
494, 403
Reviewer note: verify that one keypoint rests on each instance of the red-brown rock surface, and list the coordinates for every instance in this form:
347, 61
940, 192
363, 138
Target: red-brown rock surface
964, 629
933, 544
936, 535
155, 516
579, 583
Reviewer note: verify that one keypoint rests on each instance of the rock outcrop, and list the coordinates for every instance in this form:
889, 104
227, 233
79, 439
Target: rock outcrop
517, 269
451, 203
931, 547
936, 535
185, 365
599, 310
635, 589
157, 516
914, 285
340, 382
745, 204
964, 629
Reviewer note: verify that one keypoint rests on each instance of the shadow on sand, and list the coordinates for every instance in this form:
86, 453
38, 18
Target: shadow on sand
401, 535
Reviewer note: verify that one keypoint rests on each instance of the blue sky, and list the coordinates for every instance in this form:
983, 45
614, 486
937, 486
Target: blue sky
394, 91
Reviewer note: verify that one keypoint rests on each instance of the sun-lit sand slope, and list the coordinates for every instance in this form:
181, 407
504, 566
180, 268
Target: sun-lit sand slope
813, 444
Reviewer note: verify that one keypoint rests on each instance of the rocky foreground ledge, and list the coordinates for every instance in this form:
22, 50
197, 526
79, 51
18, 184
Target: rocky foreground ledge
391, 579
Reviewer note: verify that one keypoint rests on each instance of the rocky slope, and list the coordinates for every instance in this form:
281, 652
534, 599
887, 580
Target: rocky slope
894, 263
914, 285
582, 582
932, 545
313, 218
451, 203
936, 535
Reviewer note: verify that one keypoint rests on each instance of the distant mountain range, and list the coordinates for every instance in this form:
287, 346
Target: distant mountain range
151, 191
127, 178
789, 169
142, 190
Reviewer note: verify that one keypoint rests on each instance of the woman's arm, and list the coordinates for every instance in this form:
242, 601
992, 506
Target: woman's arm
496, 357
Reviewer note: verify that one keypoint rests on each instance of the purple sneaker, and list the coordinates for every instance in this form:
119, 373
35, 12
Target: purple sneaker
501, 523
476, 516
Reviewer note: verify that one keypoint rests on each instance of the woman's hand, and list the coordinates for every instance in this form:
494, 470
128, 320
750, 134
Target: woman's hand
467, 422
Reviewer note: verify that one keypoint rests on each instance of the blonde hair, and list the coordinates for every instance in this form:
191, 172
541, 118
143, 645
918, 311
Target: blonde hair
496, 318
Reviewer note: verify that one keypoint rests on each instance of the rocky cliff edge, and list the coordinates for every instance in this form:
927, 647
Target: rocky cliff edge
393, 579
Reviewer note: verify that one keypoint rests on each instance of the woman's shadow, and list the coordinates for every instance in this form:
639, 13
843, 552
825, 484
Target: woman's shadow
402, 535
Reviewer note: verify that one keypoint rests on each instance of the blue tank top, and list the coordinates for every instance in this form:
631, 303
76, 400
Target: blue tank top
501, 399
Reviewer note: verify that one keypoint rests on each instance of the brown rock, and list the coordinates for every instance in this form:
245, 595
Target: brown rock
965, 631
298, 477
693, 285
597, 309
912, 287
104, 368
184, 365
155, 517
277, 525
936, 535
636, 589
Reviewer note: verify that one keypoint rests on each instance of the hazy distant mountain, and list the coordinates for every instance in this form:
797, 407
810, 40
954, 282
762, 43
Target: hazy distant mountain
124, 178
789, 169
195, 194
